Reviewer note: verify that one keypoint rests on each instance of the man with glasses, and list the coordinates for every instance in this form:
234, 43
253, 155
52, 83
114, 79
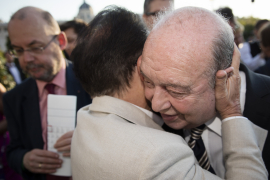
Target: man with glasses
38, 43
154, 7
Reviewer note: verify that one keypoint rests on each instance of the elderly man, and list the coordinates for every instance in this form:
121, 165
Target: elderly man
152, 8
117, 137
38, 43
178, 69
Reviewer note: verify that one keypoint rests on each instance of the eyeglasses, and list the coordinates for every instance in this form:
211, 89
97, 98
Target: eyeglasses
156, 13
16, 52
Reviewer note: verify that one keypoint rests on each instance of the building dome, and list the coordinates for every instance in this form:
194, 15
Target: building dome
85, 6
85, 12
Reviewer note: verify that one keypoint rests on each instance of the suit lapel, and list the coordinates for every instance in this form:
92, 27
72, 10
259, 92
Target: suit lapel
7, 68
122, 109
30, 105
69, 79
16, 61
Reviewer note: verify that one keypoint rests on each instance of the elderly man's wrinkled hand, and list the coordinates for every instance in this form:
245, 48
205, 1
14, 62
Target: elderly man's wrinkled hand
227, 89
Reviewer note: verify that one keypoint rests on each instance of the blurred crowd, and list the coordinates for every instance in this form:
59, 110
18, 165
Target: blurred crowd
255, 52
42, 59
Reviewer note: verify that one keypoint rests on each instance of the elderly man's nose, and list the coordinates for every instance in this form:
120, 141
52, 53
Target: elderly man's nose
160, 101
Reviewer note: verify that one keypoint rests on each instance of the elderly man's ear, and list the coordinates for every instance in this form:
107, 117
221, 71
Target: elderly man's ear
62, 39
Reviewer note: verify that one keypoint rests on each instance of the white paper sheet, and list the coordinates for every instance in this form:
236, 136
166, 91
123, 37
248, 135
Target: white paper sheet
61, 119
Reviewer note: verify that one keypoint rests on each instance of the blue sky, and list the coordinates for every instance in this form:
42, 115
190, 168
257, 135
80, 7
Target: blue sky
68, 9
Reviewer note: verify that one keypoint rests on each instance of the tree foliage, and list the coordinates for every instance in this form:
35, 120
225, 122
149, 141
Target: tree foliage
249, 24
5, 78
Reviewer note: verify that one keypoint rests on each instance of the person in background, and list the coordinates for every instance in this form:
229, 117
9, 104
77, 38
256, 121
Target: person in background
72, 29
227, 13
255, 44
152, 8
6, 173
238, 34
251, 52
238, 28
13, 68
38, 46
264, 37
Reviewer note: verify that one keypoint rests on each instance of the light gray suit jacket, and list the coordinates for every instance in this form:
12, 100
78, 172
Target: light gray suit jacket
114, 140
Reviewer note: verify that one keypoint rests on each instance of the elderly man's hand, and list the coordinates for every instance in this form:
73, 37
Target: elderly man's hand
63, 144
41, 161
228, 89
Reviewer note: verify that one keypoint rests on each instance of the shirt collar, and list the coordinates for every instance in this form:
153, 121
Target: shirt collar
214, 125
243, 90
59, 80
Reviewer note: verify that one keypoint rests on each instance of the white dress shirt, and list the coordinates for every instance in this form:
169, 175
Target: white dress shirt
252, 63
212, 136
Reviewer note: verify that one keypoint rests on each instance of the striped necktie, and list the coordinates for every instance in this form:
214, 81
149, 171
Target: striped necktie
196, 144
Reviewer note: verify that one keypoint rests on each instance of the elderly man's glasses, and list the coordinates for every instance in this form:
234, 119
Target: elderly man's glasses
16, 52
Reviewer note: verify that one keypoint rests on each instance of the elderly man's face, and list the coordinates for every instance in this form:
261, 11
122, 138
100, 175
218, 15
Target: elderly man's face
174, 75
32, 33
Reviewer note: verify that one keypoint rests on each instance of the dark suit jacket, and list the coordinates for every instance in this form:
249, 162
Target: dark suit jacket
257, 105
21, 108
254, 48
265, 69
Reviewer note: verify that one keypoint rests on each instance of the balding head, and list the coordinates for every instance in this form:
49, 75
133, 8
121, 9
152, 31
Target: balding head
199, 32
33, 15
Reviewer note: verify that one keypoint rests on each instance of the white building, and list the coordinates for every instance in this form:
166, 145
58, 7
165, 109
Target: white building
85, 12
